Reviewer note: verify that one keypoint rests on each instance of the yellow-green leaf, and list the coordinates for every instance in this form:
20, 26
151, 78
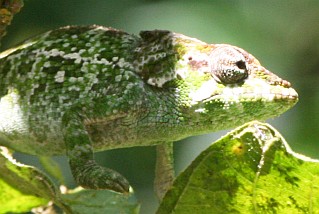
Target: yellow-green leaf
250, 170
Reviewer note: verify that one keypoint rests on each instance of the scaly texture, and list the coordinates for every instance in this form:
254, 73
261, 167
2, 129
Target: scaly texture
84, 89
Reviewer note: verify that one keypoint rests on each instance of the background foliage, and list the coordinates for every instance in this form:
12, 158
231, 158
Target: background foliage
283, 35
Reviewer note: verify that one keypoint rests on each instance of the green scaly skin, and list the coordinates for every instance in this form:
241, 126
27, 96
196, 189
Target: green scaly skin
77, 90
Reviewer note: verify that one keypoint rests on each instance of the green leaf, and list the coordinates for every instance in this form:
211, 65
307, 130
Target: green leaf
250, 170
21, 187
24, 187
14, 201
100, 201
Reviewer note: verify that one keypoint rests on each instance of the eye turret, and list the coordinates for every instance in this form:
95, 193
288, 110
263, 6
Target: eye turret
228, 65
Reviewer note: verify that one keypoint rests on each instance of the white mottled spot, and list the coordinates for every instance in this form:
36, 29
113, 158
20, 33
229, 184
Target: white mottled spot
55, 52
78, 61
118, 78
82, 51
66, 45
47, 64
84, 68
72, 79
114, 59
200, 110
95, 80
74, 88
59, 77
121, 63
72, 56
160, 81
129, 86
74, 36
91, 49
97, 44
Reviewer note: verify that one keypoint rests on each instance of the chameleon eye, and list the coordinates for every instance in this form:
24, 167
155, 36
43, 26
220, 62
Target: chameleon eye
241, 64
228, 66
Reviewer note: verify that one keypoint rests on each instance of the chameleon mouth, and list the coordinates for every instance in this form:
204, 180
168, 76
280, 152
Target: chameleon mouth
250, 91
245, 105
238, 95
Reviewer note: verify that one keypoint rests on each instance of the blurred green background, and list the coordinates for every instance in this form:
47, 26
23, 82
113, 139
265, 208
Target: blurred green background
283, 35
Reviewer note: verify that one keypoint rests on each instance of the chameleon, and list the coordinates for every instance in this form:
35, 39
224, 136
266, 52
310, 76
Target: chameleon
77, 90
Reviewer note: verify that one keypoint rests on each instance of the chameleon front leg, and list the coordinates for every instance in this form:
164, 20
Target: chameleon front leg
164, 171
86, 172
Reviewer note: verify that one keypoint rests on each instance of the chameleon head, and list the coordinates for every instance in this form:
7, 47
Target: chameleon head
229, 84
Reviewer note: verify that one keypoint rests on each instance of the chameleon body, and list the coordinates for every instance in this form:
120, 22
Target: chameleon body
77, 90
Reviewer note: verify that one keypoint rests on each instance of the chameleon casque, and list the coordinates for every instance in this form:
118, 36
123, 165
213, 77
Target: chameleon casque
81, 89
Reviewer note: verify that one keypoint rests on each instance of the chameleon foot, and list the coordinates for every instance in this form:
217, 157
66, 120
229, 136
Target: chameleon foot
92, 176
85, 170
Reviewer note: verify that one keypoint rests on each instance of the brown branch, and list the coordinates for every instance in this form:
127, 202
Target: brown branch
8, 8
